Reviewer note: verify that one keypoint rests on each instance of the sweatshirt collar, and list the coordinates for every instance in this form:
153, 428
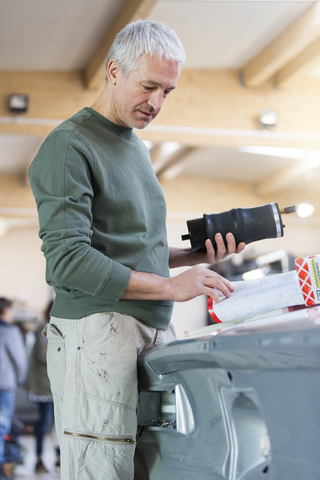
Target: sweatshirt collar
110, 125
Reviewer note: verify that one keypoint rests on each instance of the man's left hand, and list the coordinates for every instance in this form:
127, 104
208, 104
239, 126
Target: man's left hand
213, 256
179, 257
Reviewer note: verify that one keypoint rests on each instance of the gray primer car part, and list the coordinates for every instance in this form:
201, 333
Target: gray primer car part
241, 404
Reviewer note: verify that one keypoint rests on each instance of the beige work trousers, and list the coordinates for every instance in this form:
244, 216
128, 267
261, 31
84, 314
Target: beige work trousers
92, 367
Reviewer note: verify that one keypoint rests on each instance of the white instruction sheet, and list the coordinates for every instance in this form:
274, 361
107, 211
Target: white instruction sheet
255, 297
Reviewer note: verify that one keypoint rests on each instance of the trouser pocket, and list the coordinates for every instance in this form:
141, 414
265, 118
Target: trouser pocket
56, 361
100, 438
90, 455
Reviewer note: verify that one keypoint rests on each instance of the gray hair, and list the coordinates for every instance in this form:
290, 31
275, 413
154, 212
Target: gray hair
145, 37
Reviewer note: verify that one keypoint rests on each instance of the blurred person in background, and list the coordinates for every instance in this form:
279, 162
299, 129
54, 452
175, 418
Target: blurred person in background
39, 390
13, 368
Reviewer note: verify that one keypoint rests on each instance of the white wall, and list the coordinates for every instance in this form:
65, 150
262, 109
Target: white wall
23, 268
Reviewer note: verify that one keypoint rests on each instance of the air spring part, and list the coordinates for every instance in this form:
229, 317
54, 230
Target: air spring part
246, 224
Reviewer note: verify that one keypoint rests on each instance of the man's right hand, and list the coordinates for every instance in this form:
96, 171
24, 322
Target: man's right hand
193, 282
197, 281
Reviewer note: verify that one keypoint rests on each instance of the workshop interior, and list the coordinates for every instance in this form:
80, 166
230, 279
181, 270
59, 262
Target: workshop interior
236, 148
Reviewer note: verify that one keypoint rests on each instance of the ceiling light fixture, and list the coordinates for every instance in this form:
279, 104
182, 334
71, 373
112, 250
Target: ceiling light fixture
268, 118
282, 152
18, 103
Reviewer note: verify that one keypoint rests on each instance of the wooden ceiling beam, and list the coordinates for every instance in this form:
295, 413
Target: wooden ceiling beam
287, 175
207, 108
15, 194
300, 65
95, 70
174, 159
155, 152
297, 37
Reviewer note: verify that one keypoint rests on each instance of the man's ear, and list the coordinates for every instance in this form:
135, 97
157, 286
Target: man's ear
113, 70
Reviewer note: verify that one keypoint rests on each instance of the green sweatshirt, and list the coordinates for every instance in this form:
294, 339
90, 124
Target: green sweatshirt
102, 213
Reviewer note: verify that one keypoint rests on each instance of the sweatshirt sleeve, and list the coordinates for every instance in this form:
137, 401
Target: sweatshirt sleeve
17, 354
62, 180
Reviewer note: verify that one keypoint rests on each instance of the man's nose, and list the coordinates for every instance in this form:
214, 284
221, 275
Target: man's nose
156, 100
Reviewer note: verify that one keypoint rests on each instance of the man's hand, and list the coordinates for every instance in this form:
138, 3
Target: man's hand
212, 256
193, 282
186, 257
197, 281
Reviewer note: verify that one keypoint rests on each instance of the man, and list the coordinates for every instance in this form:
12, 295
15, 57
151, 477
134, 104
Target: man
13, 367
102, 220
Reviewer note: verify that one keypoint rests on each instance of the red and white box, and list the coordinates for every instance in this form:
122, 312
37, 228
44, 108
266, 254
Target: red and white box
308, 269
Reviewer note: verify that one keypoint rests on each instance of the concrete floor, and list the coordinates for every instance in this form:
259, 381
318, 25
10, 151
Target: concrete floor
26, 471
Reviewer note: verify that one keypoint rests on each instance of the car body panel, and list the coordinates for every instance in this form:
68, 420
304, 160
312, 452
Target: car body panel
241, 403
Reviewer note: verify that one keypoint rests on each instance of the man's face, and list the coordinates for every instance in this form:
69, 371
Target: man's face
137, 99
